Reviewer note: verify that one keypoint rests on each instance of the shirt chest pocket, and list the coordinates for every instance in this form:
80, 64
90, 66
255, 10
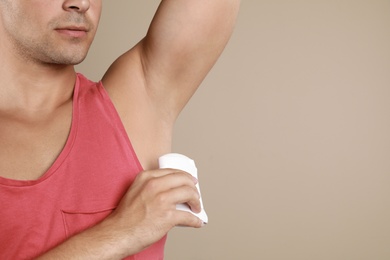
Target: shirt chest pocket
78, 221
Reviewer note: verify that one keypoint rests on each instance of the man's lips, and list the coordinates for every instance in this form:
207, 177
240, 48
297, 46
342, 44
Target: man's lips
73, 31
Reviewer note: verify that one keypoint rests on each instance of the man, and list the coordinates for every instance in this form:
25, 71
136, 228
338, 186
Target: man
78, 160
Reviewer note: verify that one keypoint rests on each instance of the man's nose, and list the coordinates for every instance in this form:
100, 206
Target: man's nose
80, 6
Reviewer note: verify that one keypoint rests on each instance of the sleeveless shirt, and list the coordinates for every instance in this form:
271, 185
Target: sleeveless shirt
84, 185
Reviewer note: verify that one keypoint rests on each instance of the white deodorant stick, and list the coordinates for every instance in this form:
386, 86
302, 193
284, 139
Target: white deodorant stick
183, 163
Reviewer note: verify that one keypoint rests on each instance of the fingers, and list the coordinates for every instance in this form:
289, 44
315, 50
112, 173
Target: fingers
165, 179
188, 220
169, 187
182, 195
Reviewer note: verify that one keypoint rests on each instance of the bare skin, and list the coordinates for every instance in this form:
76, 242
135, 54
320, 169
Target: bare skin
149, 85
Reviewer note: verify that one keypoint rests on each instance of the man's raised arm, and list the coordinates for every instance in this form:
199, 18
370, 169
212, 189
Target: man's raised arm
183, 42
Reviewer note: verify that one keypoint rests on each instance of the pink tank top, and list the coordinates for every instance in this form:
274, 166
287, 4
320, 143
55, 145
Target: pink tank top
82, 187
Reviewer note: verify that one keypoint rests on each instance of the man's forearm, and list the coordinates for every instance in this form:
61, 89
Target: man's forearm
99, 242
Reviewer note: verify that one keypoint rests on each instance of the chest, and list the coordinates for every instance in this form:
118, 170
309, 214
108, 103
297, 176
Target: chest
29, 147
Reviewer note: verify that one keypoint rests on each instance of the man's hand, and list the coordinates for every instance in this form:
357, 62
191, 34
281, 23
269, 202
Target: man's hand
148, 210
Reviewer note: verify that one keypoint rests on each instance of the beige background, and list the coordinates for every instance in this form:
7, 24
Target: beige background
290, 131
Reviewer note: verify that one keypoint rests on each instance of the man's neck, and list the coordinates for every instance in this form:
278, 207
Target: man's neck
34, 87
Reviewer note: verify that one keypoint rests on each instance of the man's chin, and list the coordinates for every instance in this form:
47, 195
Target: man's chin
71, 61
